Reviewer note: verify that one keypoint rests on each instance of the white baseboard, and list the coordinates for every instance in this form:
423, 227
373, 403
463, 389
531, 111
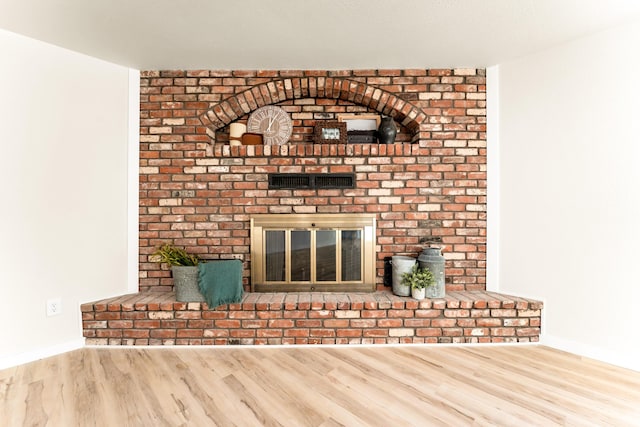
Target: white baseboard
628, 361
41, 353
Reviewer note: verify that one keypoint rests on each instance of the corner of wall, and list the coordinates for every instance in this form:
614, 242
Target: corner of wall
133, 162
493, 178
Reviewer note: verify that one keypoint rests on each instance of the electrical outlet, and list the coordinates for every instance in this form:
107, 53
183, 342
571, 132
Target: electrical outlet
54, 306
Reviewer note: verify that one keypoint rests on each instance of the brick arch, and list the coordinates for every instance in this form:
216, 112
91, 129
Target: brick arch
275, 91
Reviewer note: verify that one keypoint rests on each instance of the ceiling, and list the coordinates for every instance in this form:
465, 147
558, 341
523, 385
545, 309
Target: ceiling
310, 34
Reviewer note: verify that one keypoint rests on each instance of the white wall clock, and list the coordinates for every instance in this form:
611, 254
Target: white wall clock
273, 123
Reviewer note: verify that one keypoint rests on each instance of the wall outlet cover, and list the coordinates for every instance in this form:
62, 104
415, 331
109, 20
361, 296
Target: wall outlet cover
54, 306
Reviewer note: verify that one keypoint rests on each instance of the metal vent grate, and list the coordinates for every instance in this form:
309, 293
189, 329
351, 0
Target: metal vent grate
292, 181
289, 180
334, 181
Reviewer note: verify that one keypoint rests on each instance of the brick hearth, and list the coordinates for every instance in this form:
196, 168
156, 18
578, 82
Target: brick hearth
156, 318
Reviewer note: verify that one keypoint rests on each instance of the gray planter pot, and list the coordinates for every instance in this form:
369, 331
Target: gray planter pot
418, 293
185, 283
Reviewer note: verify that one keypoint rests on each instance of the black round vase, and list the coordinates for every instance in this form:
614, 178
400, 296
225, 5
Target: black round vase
387, 131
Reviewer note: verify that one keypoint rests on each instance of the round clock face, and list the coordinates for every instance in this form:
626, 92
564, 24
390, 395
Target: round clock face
273, 123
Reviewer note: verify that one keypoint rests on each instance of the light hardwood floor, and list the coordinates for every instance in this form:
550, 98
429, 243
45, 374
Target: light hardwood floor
319, 386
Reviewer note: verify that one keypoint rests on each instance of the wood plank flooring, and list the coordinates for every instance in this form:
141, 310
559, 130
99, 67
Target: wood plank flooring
319, 386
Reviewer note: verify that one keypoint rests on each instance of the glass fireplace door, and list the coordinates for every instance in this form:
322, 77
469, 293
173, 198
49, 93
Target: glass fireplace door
314, 257
275, 255
351, 251
336, 256
326, 252
300, 256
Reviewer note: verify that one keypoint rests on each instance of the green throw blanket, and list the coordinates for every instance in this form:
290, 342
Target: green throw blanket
220, 281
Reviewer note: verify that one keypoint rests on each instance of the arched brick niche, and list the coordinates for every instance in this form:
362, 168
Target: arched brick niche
409, 116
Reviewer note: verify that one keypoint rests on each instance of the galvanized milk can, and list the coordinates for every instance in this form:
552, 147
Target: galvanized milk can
432, 259
400, 265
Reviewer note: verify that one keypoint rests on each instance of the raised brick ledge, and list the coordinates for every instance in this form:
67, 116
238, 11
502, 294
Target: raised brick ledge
321, 150
156, 318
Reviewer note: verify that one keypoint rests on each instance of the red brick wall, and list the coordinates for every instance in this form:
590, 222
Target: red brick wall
197, 192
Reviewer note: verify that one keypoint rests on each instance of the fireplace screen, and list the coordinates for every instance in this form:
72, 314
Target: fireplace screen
328, 252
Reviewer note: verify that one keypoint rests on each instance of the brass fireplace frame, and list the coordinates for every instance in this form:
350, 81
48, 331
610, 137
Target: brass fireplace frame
260, 223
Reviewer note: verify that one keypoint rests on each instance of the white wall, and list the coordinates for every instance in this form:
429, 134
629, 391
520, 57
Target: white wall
63, 214
569, 138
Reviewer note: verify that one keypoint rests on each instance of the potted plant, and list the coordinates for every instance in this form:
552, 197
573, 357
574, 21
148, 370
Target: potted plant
418, 279
184, 269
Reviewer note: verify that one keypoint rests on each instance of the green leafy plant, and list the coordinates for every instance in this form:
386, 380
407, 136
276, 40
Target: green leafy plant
173, 255
418, 277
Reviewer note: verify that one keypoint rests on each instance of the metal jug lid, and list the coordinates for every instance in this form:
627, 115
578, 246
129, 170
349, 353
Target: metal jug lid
430, 252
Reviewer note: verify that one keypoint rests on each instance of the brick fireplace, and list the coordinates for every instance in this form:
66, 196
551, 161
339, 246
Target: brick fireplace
313, 252
199, 192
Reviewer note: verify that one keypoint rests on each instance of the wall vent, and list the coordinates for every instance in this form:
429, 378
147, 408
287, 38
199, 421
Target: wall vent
293, 181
